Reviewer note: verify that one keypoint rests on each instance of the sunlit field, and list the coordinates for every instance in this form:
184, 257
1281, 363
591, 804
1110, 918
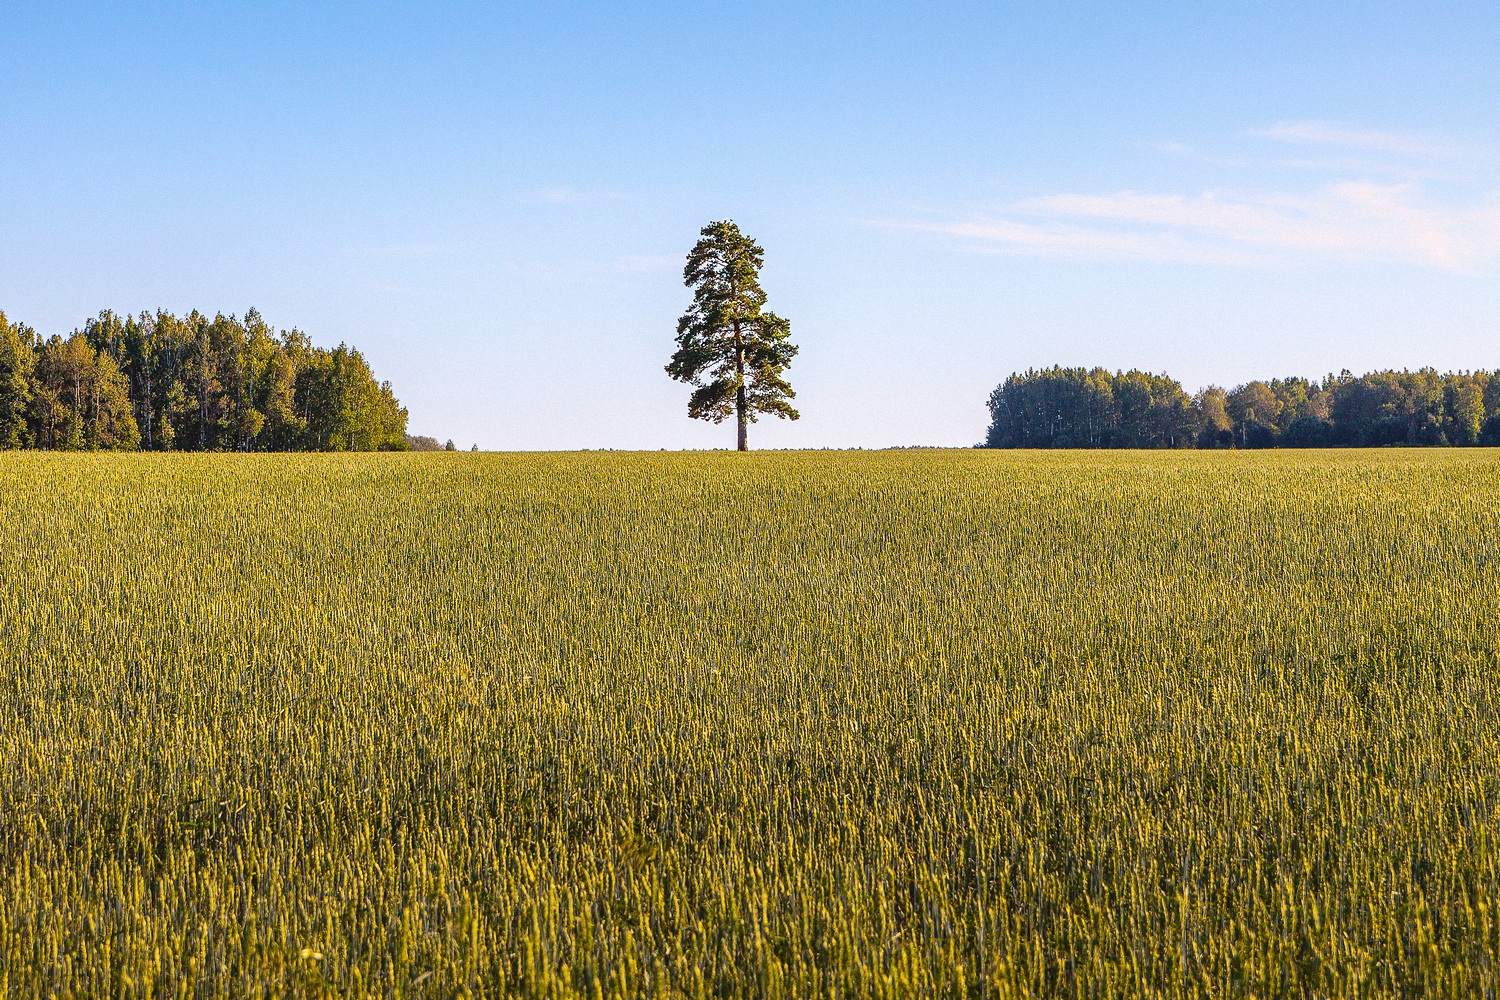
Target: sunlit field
897, 724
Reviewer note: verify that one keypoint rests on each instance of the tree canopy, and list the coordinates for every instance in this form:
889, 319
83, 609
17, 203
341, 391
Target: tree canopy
162, 383
729, 348
1091, 408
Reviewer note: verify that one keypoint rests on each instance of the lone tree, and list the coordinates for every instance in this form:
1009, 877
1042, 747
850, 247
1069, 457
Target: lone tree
728, 349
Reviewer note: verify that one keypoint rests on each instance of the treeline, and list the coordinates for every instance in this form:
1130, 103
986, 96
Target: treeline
157, 382
1091, 408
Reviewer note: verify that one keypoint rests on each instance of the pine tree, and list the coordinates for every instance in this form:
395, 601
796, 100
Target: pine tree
728, 348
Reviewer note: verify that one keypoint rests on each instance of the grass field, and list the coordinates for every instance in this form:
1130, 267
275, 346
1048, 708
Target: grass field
784, 725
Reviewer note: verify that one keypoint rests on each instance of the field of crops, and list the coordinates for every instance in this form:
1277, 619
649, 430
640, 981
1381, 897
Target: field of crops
787, 725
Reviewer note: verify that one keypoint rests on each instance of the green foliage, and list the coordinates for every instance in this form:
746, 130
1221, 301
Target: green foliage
1076, 408
161, 383
347, 410
1079, 408
79, 400
17, 375
729, 348
912, 724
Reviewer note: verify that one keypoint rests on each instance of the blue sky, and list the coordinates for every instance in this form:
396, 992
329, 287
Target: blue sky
493, 201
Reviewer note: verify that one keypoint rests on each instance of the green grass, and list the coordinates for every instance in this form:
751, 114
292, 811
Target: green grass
799, 725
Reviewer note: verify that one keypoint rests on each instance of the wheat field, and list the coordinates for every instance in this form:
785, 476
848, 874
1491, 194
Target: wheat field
900, 724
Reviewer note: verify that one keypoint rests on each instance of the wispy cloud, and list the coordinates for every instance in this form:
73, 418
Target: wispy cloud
1053, 239
410, 251
648, 262
568, 196
1346, 216
1350, 220
1317, 133
1332, 161
1183, 151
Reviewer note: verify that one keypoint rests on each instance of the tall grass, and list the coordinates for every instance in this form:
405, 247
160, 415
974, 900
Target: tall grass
807, 725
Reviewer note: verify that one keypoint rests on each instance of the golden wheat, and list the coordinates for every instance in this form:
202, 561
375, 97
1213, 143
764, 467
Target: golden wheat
787, 725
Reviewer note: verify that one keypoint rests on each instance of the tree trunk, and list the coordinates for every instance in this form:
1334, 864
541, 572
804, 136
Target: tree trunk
739, 392
146, 409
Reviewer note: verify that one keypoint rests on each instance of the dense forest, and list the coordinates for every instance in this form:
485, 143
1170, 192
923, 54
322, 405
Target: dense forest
158, 382
1090, 408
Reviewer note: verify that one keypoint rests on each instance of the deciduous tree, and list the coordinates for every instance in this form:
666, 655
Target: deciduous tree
17, 368
81, 400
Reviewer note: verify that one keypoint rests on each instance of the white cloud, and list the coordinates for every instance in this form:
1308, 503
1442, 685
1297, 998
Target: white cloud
411, 251
1344, 161
1183, 151
1346, 217
1315, 133
648, 262
568, 196
1054, 239
1347, 220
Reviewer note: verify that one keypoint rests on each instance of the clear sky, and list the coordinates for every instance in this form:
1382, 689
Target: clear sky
493, 201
